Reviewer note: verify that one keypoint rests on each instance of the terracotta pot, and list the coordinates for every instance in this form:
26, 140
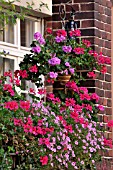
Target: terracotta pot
59, 84
63, 79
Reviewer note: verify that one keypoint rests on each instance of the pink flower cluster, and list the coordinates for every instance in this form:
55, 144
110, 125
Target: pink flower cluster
8, 87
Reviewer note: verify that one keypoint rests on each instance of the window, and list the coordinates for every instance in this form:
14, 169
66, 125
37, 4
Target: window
6, 64
21, 34
7, 33
27, 28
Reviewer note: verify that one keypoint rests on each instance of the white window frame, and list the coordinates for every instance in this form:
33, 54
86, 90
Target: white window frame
16, 49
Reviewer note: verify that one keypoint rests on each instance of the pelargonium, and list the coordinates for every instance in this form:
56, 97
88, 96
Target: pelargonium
53, 134
52, 53
54, 61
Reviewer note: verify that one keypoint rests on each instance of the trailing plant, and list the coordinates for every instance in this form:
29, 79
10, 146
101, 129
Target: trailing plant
49, 135
58, 54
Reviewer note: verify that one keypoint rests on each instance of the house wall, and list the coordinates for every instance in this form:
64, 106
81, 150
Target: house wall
94, 20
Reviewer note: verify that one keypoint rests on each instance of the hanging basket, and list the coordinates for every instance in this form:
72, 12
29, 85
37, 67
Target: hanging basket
63, 79
59, 84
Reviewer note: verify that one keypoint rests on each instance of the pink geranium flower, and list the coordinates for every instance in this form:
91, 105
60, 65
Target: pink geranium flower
12, 105
44, 160
91, 74
33, 69
78, 50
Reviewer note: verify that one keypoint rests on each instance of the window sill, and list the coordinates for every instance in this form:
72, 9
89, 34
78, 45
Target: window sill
14, 49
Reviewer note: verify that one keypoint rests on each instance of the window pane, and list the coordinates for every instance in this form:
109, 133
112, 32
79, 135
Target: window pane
6, 64
27, 28
1, 66
7, 33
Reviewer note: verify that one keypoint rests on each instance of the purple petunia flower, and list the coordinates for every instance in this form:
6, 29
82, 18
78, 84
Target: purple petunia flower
67, 49
67, 64
71, 70
36, 49
53, 75
54, 61
60, 39
41, 41
65, 72
37, 36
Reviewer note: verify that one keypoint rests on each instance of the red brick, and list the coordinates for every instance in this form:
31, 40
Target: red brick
108, 52
107, 28
55, 9
107, 86
108, 111
108, 44
108, 77
108, 20
109, 69
75, 7
105, 118
101, 9
48, 24
87, 7
87, 23
100, 92
100, 76
104, 35
108, 36
108, 11
108, 94
97, 33
98, 84
99, 24
56, 17
96, 7
87, 32
56, 25
85, 15
109, 103
105, 102
109, 4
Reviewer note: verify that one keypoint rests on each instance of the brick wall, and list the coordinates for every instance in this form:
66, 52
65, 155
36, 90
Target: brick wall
94, 20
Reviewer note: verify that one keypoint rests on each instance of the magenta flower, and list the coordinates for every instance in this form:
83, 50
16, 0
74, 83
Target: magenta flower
60, 39
37, 36
54, 61
78, 50
53, 75
67, 49
67, 64
41, 41
36, 49
71, 70
91, 74
33, 69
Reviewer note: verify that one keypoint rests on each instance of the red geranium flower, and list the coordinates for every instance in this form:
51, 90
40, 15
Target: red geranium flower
49, 30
